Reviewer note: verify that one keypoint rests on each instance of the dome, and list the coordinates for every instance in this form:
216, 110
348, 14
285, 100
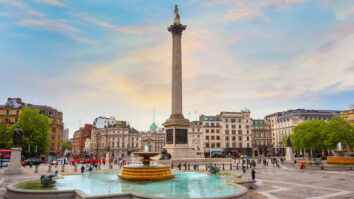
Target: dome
246, 110
153, 127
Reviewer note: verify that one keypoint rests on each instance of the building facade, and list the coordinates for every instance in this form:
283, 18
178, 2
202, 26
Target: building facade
115, 140
66, 134
282, 123
195, 136
10, 113
348, 115
228, 132
154, 138
79, 140
261, 139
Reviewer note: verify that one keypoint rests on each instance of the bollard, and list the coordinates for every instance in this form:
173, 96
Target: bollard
237, 166
230, 166
63, 168
223, 167
49, 169
172, 166
75, 168
36, 168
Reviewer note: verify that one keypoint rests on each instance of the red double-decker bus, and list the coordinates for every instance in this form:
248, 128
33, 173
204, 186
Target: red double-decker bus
5, 154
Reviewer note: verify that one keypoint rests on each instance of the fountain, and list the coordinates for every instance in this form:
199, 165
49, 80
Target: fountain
341, 156
146, 171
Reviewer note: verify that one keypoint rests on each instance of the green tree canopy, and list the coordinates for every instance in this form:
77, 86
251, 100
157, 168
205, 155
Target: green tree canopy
339, 130
64, 145
318, 134
35, 127
5, 137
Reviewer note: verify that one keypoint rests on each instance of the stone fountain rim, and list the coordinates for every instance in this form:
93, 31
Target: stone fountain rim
30, 194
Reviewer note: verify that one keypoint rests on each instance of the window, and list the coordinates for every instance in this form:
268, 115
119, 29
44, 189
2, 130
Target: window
240, 145
207, 145
206, 123
227, 126
248, 131
239, 131
53, 130
17, 112
212, 124
248, 145
217, 131
206, 130
217, 137
7, 112
239, 138
233, 120
218, 144
226, 131
248, 139
246, 121
227, 145
239, 126
226, 120
212, 145
233, 132
239, 120
16, 119
233, 126
217, 124
212, 137
212, 130
207, 137
227, 138
233, 138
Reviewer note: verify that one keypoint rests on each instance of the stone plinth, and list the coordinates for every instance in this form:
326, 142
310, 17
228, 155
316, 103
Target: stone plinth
14, 166
289, 158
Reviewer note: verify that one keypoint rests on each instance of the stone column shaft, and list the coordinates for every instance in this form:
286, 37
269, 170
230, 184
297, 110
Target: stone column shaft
176, 75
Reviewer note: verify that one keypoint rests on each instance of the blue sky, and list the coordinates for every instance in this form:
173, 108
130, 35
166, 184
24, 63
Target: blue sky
113, 58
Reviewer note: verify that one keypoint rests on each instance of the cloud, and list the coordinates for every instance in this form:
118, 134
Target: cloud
51, 2
109, 26
23, 7
47, 24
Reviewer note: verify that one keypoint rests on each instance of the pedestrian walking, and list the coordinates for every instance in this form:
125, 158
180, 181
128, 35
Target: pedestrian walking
82, 169
244, 169
253, 174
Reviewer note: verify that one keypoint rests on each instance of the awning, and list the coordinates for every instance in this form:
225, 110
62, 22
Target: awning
215, 151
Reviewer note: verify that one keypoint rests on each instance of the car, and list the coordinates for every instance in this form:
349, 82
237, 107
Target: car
4, 162
34, 161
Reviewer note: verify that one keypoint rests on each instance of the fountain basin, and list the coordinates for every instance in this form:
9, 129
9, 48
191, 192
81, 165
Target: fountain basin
146, 173
340, 160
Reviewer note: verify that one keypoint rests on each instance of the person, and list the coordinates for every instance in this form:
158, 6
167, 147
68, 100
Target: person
24, 163
321, 166
30, 164
253, 174
82, 169
179, 166
244, 169
302, 165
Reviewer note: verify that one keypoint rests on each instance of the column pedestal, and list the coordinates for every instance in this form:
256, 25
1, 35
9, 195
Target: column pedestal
289, 158
14, 166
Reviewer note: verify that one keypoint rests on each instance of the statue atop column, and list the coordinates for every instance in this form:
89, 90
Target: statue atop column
177, 18
17, 137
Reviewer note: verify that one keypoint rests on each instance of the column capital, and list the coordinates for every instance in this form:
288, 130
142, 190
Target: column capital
177, 29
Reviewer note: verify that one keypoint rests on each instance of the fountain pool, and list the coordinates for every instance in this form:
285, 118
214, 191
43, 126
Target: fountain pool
185, 185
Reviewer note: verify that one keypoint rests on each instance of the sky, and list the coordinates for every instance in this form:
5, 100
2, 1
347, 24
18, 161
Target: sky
90, 58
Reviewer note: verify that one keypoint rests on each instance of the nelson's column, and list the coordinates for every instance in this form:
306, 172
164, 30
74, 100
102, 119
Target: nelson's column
177, 126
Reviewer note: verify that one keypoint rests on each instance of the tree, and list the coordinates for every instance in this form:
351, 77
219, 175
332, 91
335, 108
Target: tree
64, 145
339, 130
5, 137
35, 127
309, 135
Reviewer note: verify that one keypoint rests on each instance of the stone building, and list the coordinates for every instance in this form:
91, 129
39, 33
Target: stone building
66, 134
348, 115
79, 139
11, 110
117, 139
261, 139
195, 136
282, 123
237, 132
154, 138
212, 134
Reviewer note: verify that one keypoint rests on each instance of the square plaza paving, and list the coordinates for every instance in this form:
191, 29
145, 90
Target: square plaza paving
272, 183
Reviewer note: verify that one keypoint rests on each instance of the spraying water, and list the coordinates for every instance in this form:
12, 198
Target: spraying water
339, 146
146, 148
